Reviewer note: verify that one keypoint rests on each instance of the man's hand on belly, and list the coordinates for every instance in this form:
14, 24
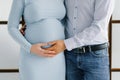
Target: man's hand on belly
57, 46
22, 30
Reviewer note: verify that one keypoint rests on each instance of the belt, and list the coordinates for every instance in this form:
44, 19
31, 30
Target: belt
90, 48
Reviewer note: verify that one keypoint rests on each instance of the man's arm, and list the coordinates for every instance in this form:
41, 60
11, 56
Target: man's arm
102, 14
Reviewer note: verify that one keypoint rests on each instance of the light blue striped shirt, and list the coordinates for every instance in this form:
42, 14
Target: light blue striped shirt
87, 22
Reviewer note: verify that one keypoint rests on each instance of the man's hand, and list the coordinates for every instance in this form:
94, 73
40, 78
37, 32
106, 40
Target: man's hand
22, 30
37, 49
57, 46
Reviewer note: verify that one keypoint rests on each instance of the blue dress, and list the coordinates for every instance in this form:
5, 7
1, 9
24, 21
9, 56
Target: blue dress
43, 19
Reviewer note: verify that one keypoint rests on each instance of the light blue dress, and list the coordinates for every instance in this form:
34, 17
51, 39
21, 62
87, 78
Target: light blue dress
43, 19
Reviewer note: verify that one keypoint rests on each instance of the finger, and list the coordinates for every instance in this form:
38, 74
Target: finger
50, 49
46, 55
23, 26
52, 43
21, 31
47, 51
43, 44
50, 55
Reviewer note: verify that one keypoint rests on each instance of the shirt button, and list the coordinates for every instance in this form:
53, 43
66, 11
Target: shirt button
75, 6
75, 17
74, 29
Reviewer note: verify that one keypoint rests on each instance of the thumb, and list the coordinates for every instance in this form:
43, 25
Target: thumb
43, 44
52, 42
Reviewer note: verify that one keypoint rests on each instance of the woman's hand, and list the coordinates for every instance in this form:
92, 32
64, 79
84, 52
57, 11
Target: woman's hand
38, 50
57, 46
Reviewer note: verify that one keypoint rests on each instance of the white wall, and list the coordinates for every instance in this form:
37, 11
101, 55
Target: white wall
116, 76
9, 49
115, 46
5, 6
116, 37
9, 76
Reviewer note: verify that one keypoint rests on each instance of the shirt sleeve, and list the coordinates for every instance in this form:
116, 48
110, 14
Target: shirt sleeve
102, 14
13, 24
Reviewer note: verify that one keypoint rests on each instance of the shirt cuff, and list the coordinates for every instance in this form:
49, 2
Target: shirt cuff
70, 44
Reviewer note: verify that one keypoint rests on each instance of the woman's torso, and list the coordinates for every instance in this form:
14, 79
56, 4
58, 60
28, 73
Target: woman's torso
43, 20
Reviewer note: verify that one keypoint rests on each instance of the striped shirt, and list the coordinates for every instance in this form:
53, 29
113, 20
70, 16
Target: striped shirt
87, 22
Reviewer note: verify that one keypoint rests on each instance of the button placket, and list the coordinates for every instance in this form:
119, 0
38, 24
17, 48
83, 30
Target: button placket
75, 16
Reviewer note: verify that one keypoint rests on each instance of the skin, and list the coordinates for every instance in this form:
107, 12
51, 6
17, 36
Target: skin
36, 49
57, 47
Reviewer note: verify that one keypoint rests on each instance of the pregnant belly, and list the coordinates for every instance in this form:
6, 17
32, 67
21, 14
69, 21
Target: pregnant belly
44, 31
